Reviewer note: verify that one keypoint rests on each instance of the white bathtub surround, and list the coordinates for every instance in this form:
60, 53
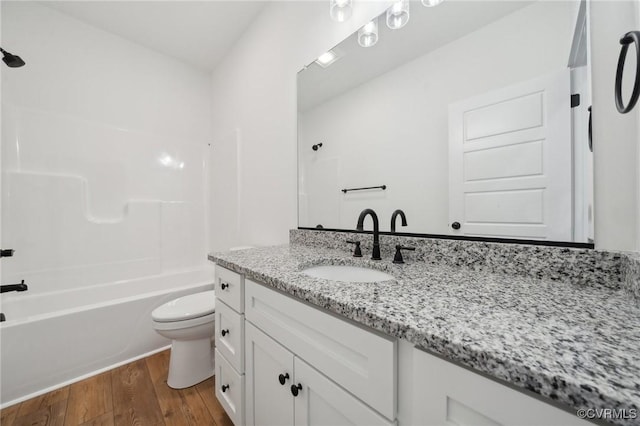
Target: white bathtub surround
102, 155
103, 196
53, 339
189, 322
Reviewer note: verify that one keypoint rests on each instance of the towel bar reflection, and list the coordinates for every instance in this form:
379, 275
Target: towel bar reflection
383, 187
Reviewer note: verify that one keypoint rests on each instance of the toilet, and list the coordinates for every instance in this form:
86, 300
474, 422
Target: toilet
189, 322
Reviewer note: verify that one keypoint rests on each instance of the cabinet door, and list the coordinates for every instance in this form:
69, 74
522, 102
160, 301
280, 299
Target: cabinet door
322, 402
268, 402
360, 361
446, 394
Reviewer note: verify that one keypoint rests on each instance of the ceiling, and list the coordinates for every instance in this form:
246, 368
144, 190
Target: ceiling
196, 32
428, 29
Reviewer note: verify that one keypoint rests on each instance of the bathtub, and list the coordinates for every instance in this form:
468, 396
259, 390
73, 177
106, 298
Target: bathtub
52, 339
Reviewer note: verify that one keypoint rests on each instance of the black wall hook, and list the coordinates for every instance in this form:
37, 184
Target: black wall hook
316, 146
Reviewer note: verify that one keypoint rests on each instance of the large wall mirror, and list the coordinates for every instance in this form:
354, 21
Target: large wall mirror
473, 119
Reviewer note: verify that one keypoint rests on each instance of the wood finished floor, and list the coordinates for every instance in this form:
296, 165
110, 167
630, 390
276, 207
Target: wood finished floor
134, 394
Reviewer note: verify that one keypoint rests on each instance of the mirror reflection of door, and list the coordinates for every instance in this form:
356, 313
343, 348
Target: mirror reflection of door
508, 156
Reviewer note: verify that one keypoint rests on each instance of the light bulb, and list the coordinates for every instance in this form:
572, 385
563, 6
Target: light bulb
431, 3
327, 59
368, 35
340, 10
398, 14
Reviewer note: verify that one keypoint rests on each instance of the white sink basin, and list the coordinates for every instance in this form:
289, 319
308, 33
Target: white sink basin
346, 273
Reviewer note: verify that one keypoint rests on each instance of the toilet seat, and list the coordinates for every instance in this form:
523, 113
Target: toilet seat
184, 324
191, 307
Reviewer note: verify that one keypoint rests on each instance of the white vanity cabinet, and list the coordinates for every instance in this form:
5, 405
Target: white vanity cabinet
344, 374
283, 362
446, 394
229, 342
284, 390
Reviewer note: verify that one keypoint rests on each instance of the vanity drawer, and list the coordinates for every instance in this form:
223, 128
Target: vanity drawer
230, 345
230, 288
231, 398
361, 361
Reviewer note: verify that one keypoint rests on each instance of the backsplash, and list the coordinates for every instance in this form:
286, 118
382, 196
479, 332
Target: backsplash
614, 270
631, 274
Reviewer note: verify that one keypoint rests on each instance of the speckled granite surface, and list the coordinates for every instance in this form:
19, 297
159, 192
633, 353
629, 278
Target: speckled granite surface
580, 266
631, 274
578, 345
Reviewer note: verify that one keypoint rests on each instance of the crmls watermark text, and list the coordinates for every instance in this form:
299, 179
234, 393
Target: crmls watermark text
608, 414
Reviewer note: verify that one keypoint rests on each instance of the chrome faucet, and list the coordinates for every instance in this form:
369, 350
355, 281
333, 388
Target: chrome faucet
375, 255
394, 217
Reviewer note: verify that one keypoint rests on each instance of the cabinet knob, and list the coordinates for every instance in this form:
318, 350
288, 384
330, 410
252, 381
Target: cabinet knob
455, 225
295, 389
225, 332
224, 286
224, 388
283, 378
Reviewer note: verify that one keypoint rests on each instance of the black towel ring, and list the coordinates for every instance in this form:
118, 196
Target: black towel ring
630, 37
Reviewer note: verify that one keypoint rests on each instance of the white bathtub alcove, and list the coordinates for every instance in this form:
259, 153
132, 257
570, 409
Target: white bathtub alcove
50, 340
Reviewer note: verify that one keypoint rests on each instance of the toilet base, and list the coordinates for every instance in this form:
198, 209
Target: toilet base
191, 362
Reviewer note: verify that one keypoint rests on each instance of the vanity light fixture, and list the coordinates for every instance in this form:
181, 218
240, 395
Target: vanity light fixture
398, 14
368, 35
340, 10
327, 58
431, 3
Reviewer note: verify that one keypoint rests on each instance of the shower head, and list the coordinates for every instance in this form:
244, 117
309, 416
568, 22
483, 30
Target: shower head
12, 61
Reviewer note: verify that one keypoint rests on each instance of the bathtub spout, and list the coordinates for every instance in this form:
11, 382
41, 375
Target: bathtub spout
14, 287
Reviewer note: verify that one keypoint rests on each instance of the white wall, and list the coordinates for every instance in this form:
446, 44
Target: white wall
103, 148
616, 137
254, 101
394, 130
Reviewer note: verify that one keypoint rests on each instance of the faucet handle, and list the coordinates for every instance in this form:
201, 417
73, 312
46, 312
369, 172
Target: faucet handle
356, 252
398, 256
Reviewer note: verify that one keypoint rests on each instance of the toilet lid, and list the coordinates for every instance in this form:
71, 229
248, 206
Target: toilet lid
186, 307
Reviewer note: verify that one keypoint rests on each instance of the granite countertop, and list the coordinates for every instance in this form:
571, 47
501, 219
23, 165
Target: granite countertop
577, 345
